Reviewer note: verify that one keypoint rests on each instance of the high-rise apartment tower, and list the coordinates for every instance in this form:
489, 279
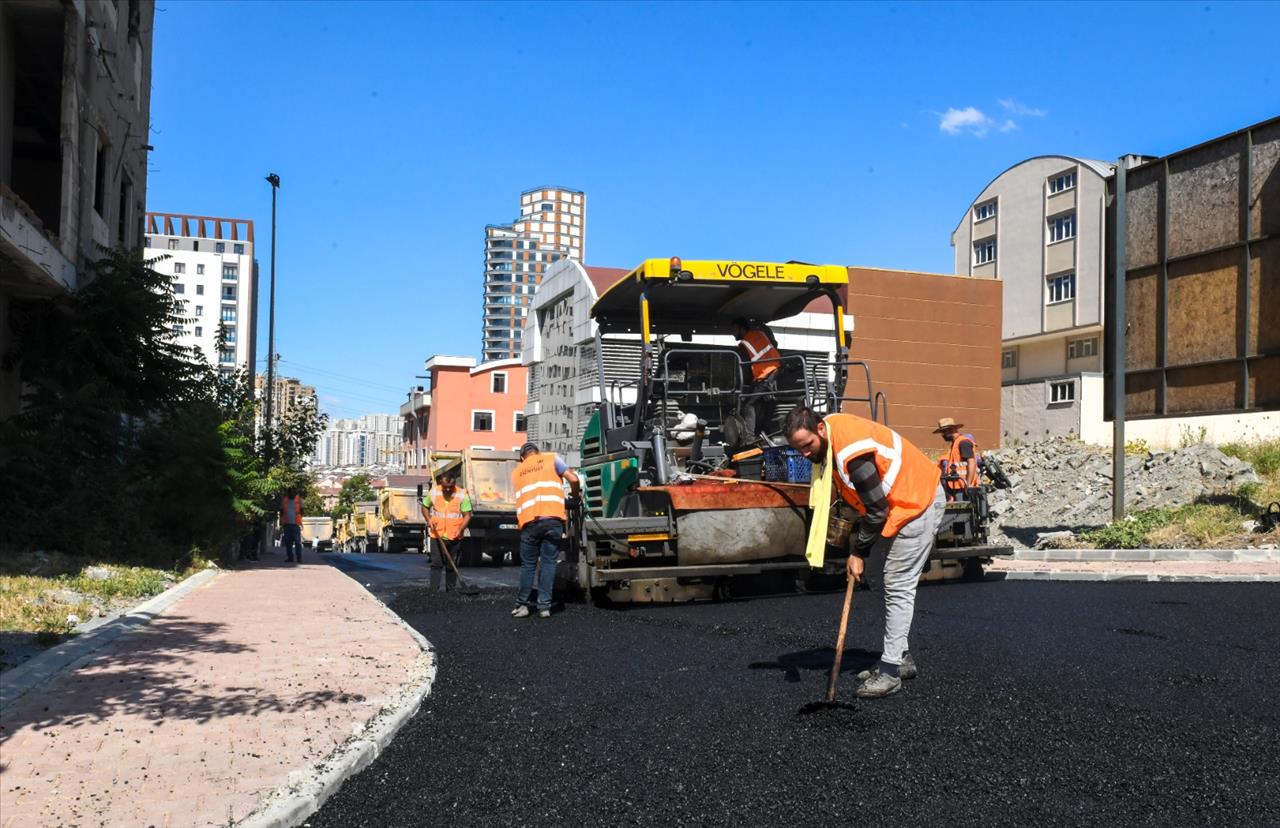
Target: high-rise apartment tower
552, 226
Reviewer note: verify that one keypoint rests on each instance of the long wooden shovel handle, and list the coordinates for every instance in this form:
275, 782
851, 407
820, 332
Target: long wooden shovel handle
844, 627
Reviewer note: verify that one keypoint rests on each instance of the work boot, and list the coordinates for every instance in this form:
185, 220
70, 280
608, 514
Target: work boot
878, 686
906, 670
544, 613
521, 611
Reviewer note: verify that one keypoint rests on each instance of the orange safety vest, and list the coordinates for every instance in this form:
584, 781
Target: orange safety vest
447, 515
297, 511
539, 492
760, 353
958, 464
909, 479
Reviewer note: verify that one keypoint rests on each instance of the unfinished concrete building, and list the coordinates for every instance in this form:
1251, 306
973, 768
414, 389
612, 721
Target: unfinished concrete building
75, 104
1201, 276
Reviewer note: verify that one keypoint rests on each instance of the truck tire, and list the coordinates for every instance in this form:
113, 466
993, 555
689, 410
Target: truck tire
470, 552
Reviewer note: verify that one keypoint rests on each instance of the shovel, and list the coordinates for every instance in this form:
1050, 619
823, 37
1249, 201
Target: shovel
844, 627
467, 589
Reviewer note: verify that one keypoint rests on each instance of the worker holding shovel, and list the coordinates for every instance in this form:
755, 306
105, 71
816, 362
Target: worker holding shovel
448, 511
896, 489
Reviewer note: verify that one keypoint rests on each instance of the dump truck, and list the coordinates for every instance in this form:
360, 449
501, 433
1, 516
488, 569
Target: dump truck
486, 475
317, 532
365, 526
342, 534
678, 499
402, 525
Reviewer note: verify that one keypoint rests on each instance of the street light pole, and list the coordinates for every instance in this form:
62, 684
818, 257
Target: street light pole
274, 180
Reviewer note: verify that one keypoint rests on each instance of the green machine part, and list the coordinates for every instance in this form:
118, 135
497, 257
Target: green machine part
604, 481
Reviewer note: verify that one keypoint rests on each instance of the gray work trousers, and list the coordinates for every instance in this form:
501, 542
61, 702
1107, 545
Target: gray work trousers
439, 566
904, 558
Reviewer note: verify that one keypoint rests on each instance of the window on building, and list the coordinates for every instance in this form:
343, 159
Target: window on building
1062, 227
984, 211
520, 424
1080, 348
229, 292
173, 244
498, 382
199, 331
199, 290
239, 249
230, 335
546, 207
1062, 182
482, 421
122, 210
228, 314
984, 252
100, 180
1060, 288
179, 267
199, 270
219, 247
230, 271
1061, 392
195, 245
226, 356
179, 288
1009, 359
199, 310
146, 242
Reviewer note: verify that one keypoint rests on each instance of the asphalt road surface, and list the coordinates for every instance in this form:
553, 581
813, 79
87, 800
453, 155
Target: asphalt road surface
387, 575
1037, 703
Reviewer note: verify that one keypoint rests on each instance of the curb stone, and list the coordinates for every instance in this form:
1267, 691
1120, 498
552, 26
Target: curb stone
71, 654
1251, 555
296, 800
1151, 577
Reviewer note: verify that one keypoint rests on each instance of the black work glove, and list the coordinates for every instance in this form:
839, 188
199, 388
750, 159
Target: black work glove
573, 503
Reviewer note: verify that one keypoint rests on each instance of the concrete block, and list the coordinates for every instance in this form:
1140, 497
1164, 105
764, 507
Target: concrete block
1060, 575
1133, 555
1210, 554
1097, 554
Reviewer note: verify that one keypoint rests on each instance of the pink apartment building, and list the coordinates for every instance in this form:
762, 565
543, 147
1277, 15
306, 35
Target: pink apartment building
465, 406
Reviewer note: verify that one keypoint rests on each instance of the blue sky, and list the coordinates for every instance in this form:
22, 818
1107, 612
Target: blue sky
849, 134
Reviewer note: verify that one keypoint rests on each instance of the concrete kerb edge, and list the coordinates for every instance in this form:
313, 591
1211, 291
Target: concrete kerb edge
1148, 577
70, 655
293, 802
1250, 555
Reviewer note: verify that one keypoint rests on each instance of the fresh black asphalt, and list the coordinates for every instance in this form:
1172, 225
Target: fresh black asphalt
1037, 703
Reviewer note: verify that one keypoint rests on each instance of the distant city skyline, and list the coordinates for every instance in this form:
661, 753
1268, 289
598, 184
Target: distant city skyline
845, 133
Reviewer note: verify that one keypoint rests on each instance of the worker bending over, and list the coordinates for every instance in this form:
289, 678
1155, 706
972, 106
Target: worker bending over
896, 489
960, 466
756, 345
448, 511
541, 513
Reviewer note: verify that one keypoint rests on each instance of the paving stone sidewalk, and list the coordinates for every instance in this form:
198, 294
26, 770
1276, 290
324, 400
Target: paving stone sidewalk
241, 688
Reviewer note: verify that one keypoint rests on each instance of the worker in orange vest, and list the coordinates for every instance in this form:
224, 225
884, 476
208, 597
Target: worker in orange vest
541, 512
756, 345
291, 526
960, 466
447, 509
896, 489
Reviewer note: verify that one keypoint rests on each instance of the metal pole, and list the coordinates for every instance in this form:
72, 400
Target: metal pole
1118, 323
274, 180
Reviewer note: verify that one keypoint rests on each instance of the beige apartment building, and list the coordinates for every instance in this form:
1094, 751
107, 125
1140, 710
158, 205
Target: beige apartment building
552, 226
1040, 228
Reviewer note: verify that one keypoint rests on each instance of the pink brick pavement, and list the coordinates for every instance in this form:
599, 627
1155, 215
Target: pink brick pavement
194, 718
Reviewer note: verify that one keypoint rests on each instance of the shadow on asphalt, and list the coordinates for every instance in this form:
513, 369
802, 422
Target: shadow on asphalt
855, 660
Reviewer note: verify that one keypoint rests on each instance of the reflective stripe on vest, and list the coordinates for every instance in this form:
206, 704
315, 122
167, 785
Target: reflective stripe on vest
908, 479
539, 491
447, 515
956, 463
761, 353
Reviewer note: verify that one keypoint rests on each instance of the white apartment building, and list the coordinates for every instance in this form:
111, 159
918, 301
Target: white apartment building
552, 226
371, 440
214, 275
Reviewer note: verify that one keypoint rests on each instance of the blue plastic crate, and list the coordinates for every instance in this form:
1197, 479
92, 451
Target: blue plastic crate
786, 465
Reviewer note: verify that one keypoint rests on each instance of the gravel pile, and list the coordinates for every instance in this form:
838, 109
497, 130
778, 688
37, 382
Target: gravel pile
1065, 485
1037, 704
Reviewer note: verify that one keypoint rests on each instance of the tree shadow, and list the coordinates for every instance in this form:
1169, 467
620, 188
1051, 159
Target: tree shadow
819, 659
149, 673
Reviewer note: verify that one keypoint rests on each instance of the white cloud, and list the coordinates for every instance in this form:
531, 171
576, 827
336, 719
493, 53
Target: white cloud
1008, 126
1013, 107
970, 119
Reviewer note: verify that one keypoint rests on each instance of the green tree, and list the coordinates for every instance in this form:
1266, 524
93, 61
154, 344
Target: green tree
354, 490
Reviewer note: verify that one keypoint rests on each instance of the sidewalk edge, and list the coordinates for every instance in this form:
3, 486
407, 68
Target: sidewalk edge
18, 681
292, 803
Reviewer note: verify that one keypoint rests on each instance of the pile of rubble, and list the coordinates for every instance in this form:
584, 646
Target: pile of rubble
1063, 486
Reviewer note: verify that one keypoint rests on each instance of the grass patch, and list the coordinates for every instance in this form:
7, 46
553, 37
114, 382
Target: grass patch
49, 594
1264, 454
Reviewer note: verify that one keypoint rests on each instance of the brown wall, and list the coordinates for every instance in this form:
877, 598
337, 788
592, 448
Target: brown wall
1202, 282
933, 344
